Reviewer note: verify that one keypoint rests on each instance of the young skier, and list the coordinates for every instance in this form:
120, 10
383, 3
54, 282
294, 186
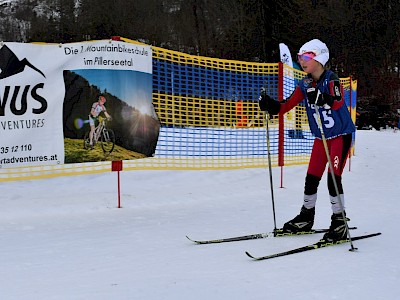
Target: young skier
321, 87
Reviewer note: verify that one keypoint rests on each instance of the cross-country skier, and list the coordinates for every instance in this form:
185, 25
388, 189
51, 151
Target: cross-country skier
321, 87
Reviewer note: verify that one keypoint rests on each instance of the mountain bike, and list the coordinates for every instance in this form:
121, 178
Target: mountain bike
102, 135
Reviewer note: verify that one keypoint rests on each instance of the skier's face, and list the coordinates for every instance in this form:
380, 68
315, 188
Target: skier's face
309, 66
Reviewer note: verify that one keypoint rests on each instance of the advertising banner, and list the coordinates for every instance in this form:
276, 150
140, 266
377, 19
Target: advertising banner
52, 95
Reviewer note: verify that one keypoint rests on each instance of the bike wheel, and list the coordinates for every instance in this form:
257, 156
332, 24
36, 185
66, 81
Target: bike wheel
107, 140
86, 141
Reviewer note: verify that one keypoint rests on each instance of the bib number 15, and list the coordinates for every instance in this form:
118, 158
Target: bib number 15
326, 118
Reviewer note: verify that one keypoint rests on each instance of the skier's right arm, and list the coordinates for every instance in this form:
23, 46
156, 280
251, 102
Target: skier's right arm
273, 107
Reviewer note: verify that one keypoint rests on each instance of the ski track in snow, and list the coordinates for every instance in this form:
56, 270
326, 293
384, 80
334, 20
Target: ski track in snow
65, 238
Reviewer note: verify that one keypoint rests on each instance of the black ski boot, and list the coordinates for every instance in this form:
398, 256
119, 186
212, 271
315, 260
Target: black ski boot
337, 230
302, 222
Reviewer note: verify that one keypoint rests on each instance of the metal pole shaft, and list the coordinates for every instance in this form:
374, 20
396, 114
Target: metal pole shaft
333, 175
270, 171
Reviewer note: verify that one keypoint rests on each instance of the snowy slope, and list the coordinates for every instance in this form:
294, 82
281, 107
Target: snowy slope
65, 238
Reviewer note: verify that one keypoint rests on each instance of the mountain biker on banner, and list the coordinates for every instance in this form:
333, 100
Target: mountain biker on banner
320, 87
97, 108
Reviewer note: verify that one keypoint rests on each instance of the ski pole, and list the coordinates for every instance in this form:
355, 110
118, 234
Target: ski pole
270, 171
333, 175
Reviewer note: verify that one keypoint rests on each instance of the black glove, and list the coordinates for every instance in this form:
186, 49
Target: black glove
315, 96
266, 103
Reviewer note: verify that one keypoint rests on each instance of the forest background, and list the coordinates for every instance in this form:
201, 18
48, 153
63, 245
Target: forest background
362, 35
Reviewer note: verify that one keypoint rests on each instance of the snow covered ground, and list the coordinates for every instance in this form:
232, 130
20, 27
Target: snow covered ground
65, 238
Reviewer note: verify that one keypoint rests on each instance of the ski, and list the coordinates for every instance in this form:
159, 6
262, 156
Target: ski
317, 245
277, 233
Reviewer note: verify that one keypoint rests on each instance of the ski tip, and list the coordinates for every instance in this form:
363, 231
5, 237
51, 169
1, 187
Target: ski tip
191, 239
196, 242
367, 236
249, 255
378, 233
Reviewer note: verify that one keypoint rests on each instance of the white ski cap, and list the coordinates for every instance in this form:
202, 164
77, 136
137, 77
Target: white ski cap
319, 48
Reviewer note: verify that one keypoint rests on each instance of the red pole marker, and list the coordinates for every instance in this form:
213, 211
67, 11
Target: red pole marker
116, 166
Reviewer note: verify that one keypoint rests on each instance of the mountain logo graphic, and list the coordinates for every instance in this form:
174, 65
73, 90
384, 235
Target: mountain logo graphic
10, 64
